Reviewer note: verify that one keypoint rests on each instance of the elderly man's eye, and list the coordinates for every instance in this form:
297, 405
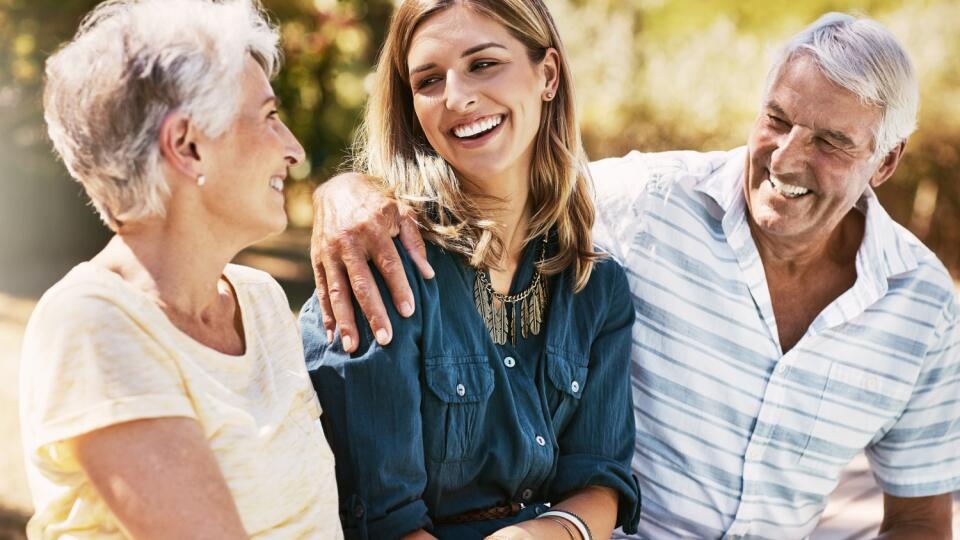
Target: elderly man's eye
273, 114
777, 121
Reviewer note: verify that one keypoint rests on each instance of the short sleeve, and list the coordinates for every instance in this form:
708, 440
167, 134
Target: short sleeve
88, 364
620, 184
920, 455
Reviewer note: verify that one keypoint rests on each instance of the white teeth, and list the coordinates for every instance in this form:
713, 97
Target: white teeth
787, 190
484, 124
277, 183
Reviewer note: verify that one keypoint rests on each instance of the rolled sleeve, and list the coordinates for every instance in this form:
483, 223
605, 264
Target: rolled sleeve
920, 455
371, 404
597, 446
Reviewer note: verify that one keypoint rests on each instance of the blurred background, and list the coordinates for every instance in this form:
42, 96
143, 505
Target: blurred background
650, 75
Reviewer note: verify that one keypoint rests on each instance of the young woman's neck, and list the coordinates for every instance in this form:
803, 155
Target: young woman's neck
511, 193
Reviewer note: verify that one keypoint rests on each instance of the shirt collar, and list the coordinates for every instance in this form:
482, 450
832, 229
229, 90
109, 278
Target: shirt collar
883, 253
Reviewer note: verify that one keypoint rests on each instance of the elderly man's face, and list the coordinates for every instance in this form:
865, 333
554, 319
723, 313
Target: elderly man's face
810, 156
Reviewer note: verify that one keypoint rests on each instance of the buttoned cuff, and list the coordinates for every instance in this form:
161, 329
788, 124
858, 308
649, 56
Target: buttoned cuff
578, 471
394, 524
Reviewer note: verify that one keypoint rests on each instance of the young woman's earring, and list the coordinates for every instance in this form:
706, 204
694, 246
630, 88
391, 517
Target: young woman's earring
548, 96
201, 180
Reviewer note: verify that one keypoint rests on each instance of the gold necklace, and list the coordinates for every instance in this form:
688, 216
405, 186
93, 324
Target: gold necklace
492, 306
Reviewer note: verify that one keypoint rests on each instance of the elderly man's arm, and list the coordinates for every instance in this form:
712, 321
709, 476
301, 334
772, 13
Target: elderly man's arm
355, 223
926, 518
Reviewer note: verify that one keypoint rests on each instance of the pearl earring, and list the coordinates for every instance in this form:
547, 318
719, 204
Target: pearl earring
549, 96
201, 180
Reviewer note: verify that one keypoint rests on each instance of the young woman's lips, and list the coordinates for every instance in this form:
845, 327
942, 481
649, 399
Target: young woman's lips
482, 139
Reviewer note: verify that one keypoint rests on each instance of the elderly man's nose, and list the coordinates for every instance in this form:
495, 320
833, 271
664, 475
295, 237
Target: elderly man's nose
790, 153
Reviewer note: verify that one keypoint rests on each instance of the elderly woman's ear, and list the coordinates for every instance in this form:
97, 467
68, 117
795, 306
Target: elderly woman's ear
178, 145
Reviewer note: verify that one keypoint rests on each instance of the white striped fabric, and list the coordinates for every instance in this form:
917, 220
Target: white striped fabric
734, 438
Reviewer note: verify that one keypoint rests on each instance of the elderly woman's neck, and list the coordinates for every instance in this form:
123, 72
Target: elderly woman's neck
180, 270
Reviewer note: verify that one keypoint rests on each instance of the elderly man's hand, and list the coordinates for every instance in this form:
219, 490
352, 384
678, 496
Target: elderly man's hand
354, 223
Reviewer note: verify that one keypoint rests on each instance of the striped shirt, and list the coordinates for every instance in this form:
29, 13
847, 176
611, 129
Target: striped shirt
734, 438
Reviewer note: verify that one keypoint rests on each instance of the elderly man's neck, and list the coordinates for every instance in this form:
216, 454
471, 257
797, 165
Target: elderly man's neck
793, 256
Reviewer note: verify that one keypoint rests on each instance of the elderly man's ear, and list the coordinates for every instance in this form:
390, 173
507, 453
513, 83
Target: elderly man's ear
178, 145
888, 165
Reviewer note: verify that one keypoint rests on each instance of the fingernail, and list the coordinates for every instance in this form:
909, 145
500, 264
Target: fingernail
430, 273
383, 337
406, 309
347, 343
329, 336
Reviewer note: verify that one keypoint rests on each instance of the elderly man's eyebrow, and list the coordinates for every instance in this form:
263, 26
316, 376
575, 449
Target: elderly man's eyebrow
777, 109
274, 99
838, 137
472, 50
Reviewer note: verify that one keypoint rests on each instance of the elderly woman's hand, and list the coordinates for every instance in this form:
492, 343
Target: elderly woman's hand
355, 223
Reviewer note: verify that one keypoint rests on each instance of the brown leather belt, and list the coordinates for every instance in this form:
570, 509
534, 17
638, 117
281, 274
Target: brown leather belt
497, 512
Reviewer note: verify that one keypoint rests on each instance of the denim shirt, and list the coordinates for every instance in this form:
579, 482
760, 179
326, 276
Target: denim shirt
444, 421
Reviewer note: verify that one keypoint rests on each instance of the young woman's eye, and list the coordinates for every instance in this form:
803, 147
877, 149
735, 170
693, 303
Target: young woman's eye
426, 82
483, 64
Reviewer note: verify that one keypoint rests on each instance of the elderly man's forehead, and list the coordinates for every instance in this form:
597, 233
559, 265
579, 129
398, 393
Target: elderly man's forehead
803, 92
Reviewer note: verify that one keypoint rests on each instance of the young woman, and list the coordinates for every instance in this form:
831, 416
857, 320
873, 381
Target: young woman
508, 388
163, 390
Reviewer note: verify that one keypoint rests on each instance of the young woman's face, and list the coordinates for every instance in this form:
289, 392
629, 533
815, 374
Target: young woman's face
477, 95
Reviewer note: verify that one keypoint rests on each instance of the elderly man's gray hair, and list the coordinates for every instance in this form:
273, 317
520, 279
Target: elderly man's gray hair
130, 65
866, 59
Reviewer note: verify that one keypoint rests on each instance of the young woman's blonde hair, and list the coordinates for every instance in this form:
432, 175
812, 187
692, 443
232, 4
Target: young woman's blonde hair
392, 146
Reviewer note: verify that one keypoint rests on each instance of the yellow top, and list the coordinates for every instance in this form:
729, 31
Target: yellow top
98, 352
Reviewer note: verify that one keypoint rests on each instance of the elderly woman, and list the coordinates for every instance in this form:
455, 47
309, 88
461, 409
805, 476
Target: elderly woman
502, 406
164, 393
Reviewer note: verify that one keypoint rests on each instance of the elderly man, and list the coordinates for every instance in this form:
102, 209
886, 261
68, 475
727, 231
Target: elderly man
785, 323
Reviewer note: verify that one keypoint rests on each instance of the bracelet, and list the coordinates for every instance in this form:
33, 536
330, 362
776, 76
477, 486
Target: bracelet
561, 523
573, 519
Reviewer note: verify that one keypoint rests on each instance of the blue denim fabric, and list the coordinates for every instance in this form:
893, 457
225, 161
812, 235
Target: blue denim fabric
439, 422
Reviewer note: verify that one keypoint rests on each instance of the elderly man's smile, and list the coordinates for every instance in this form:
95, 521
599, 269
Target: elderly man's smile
789, 191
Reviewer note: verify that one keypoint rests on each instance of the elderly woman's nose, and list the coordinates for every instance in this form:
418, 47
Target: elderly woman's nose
294, 150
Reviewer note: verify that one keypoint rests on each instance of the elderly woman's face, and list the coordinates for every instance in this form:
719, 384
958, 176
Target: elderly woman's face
476, 93
247, 165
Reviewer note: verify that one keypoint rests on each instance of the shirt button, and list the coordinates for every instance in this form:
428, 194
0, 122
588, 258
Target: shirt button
782, 368
541, 441
358, 511
509, 361
527, 493
461, 390
575, 386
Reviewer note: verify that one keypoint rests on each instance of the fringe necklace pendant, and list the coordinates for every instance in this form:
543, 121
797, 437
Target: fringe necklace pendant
499, 311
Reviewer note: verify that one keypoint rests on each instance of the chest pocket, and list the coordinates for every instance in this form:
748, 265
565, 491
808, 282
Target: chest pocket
567, 375
856, 407
455, 407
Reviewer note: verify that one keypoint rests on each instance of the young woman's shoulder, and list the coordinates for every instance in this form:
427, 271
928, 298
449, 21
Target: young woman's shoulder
609, 277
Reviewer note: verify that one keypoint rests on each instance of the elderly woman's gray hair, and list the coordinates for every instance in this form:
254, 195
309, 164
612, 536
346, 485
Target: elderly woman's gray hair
865, 58
130, 65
